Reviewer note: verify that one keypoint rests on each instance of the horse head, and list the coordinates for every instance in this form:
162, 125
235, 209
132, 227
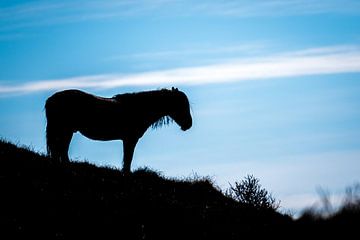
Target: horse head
180, 112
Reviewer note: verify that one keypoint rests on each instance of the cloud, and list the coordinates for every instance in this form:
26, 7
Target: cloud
203, 51
42, 13
327, 60
278, 7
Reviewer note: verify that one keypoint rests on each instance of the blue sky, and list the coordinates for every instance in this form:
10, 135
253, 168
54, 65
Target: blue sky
274, 85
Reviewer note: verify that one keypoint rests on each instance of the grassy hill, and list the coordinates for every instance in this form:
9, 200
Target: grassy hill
40, 198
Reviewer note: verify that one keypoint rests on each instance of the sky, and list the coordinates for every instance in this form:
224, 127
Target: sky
274, 85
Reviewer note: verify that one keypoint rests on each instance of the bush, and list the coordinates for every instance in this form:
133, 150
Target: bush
250, 193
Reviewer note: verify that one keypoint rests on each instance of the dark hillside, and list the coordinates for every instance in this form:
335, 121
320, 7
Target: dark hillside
44, 199
41, 198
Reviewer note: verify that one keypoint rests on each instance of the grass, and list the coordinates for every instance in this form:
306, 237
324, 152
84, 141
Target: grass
41, 198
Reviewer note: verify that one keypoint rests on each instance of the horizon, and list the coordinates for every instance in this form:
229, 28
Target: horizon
273, 85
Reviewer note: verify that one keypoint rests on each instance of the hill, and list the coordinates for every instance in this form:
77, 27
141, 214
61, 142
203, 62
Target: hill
40, 198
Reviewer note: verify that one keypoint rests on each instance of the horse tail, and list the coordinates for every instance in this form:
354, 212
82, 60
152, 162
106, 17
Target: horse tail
50, 143
50, 130
58, 132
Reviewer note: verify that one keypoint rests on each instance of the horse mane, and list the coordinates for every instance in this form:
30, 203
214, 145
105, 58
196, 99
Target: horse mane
163, 121
124, 96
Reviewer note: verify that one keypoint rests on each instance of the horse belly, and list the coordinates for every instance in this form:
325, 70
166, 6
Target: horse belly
100, 134
95, 119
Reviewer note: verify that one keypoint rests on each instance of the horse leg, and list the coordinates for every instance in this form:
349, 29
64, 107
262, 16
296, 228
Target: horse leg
58, 140
129, 147
64, 143
61, 145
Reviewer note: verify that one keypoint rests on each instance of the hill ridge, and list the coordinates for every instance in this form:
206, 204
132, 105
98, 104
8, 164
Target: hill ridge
41, 198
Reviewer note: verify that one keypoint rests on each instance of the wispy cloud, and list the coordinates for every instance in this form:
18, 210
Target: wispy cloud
278, 7
327, 60
213, 52
43, 13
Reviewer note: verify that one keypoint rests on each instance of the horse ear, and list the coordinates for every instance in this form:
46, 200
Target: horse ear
174, 89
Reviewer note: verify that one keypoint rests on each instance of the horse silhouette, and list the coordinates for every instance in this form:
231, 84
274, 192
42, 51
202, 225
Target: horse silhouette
123, 117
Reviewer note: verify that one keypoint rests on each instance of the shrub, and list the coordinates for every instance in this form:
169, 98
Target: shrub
250, 193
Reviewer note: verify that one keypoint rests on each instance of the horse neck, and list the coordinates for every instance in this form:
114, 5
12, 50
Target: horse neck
157, 109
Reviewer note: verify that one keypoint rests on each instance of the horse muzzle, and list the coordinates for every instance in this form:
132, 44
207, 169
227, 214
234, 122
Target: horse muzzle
186, 127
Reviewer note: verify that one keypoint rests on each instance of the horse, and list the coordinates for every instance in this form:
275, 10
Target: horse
123, 117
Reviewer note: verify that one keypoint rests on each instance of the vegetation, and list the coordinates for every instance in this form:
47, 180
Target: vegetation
347, 214
250, 193
41, 198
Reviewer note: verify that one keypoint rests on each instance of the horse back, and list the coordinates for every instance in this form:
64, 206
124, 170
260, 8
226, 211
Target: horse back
79, 108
